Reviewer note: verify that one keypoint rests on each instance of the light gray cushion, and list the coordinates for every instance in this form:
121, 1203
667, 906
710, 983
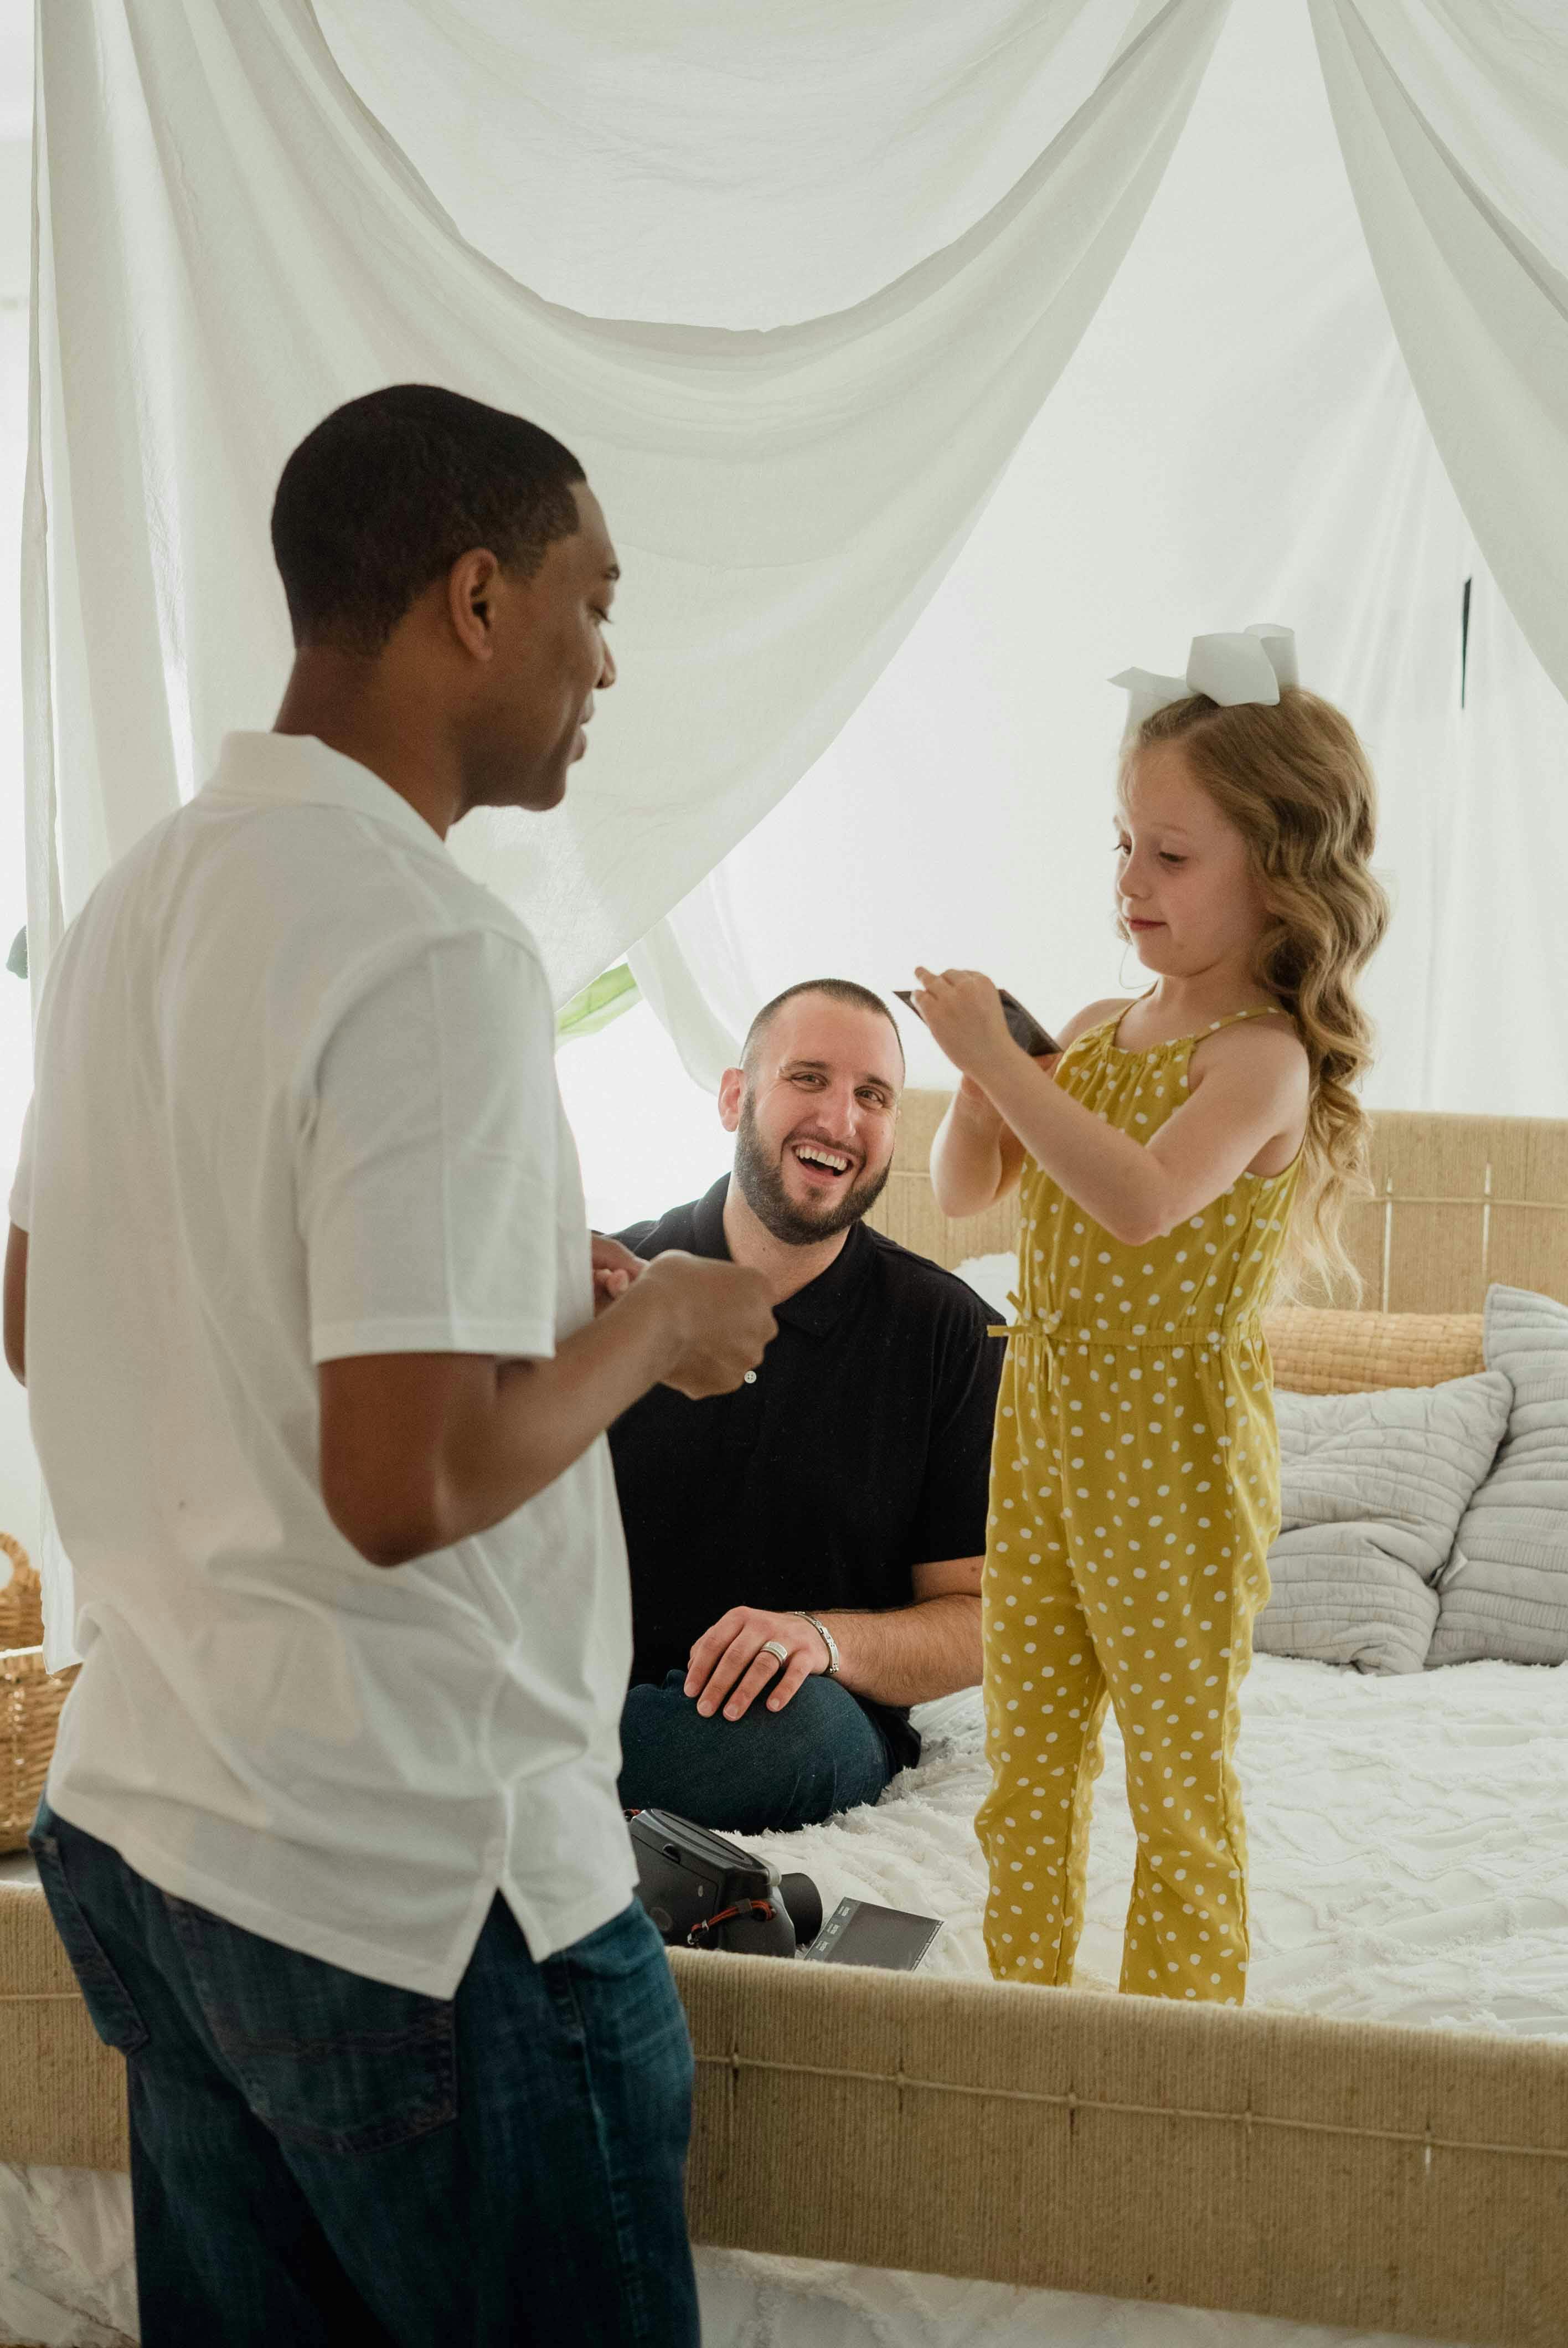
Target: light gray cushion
1372, 1490
1504, 1593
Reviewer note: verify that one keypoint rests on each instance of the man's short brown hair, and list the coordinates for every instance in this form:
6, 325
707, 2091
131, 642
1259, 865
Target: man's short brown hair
837, 989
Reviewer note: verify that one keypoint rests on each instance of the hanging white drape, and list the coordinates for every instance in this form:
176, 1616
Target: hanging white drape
1237, 438
1453, 117
231, 242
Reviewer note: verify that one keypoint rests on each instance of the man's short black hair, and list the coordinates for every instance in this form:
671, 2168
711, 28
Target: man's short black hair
837, 989
386, 493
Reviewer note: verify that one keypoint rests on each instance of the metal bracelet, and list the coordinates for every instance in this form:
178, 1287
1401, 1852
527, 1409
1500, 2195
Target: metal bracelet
825, 1634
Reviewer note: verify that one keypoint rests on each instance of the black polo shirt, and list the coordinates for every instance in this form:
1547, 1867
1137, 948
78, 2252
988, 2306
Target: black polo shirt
859, 1449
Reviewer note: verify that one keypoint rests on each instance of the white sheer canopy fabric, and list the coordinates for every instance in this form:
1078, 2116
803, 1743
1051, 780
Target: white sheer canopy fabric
232, 242
1453, 119
1237, 437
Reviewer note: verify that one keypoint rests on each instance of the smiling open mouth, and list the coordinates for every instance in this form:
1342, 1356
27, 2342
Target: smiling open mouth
819, 1160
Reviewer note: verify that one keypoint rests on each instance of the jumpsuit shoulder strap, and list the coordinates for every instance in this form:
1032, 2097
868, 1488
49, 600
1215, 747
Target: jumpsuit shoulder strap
1259, 1011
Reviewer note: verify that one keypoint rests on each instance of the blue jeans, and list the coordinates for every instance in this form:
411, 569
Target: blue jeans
318, 2158
766, 1772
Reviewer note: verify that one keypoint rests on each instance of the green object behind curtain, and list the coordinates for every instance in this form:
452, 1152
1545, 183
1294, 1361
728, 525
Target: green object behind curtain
604, 999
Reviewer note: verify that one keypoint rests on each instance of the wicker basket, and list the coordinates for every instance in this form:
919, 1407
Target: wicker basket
30, 1698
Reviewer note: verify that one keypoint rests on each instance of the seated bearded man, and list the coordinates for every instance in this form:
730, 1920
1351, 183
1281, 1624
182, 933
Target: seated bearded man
807, 1551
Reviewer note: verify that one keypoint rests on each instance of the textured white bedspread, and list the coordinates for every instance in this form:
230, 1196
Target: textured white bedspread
1409, 1843
1408, 1836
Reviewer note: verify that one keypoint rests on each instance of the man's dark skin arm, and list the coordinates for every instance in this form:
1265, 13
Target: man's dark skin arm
16, 1304
420, 1450
909, 1654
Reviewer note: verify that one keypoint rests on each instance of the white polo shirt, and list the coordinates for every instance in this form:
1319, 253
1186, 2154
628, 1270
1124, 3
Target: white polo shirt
296, 1100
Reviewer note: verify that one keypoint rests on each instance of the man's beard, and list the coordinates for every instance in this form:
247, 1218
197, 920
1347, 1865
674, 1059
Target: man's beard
762, 1189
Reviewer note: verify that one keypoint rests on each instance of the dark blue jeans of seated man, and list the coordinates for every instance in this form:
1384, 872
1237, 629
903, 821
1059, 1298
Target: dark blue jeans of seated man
766, 1772
320, 2159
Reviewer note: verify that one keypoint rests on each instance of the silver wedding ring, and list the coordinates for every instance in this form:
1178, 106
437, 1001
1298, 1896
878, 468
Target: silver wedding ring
775, 1647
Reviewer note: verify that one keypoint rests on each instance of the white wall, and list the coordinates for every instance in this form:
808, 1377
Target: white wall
648, 1138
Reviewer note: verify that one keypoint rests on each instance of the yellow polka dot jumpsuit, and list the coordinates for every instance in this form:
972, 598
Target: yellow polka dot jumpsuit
1135, 1493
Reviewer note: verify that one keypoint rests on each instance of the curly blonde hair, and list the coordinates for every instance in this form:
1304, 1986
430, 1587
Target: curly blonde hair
1295, 781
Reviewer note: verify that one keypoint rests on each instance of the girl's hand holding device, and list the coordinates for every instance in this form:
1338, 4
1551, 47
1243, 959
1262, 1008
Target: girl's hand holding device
976, 1022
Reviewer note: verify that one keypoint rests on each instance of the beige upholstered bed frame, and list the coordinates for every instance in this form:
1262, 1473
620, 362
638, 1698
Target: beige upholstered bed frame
1407, 2181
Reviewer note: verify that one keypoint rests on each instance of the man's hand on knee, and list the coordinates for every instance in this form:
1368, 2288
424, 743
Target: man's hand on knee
734, 1660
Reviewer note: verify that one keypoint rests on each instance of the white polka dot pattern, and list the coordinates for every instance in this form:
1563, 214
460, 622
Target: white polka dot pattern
1135, 1493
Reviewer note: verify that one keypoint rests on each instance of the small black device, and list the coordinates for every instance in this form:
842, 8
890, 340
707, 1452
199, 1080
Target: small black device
860, 1933
703, 1891
1022, 1025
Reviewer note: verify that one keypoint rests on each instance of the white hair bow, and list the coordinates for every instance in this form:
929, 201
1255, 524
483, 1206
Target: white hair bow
1251, 665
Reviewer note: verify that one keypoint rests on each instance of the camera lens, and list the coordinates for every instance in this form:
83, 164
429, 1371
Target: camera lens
803, 1904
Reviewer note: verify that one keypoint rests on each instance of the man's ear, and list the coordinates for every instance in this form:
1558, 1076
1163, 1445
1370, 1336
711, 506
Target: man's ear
471, 586
731, 1093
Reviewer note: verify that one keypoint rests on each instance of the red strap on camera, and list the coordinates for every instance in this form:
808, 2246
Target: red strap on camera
761, 1909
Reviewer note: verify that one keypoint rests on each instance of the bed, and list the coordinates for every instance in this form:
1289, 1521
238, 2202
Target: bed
1376, 2146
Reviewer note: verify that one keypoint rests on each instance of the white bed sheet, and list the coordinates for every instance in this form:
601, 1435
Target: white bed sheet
1408, 1841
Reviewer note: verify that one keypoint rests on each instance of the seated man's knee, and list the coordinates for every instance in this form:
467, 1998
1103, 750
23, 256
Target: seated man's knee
767, 1771
821, 1711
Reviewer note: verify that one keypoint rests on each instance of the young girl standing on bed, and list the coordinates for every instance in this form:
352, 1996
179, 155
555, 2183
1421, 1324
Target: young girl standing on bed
1169, 1157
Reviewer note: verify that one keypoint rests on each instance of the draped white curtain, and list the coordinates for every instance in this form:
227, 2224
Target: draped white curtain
796, 289
1453, 117
911, 211
1238, 438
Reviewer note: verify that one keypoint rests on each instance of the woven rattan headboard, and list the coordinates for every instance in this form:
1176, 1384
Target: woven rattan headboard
1459, 1202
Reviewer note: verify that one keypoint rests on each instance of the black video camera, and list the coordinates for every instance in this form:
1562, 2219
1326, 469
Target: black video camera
704, 1892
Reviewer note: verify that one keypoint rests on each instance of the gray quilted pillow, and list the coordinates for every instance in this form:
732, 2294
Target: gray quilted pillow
1504, 1591
1372, 1488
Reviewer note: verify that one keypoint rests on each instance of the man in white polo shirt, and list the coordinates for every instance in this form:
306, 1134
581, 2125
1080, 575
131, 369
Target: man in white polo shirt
301, 1285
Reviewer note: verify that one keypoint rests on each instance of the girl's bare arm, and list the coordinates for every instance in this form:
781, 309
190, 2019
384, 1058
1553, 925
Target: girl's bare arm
976, 1157
1249, 1088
